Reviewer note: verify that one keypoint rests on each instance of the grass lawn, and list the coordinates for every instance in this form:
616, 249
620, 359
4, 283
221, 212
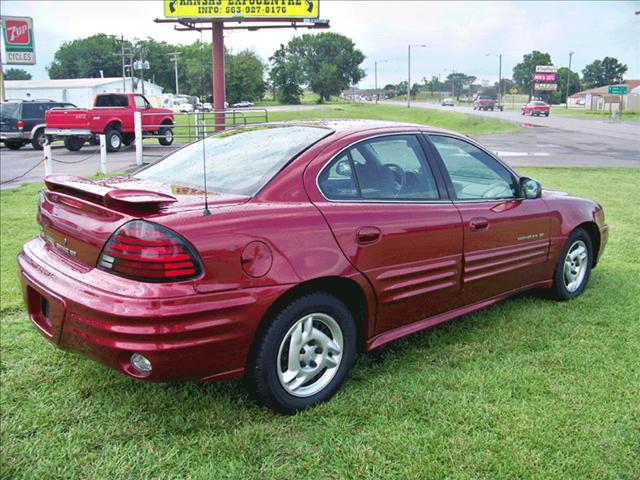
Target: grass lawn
530, 388
460, 122
594, 114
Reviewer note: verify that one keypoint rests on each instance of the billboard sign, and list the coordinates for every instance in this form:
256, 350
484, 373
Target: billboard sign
17, 35
239, 9
546, 87
544, 77
545, 69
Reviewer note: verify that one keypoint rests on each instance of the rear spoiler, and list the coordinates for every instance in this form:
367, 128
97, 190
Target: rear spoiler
115, 198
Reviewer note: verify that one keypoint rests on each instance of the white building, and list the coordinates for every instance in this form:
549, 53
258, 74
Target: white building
79, 91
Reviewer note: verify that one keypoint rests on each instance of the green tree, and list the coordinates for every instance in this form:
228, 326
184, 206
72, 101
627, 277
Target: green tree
433, 85
522, 71
86, 57
244, 77
286, 76
457, 81
329, 62
560, 96
603, 72
17, 74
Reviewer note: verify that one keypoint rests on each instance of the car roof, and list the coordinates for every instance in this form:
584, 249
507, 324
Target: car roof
349, 126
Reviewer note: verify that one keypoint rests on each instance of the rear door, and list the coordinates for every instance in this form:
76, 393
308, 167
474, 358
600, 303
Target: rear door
506, 239
383, 203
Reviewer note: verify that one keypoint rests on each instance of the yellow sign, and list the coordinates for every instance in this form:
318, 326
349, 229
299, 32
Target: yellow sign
514, 90
234, 9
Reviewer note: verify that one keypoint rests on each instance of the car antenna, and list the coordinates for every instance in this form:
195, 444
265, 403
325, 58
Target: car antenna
204, 176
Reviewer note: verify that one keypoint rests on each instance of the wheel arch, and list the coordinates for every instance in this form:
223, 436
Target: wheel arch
594, 234
113, 124
346, 290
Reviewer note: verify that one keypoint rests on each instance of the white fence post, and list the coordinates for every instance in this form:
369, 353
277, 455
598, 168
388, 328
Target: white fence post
48, 170
103, 154
197, 124
137, 123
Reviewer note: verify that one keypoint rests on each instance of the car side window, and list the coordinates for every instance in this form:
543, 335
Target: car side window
140, 102
475, 174
32, 111
386, 168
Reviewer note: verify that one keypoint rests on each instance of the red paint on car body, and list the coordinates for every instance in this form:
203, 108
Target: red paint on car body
415, 263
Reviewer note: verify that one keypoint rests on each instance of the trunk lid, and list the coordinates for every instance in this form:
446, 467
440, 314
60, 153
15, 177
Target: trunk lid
77, 216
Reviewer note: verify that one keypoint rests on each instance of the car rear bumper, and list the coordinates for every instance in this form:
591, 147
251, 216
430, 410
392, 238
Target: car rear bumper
67, 132
197, 336
14, 136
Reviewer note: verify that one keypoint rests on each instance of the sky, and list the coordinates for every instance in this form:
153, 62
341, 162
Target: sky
458, 35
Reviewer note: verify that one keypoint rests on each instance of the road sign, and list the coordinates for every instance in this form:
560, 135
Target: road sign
514, 90
18, 40
544, 77
617, 90
234, 9
545, 69
545, 87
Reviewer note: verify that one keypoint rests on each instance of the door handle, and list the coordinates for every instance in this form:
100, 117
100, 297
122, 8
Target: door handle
478, 224
367, 235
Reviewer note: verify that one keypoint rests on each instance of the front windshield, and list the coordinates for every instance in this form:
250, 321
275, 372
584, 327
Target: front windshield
238, 161
9, 110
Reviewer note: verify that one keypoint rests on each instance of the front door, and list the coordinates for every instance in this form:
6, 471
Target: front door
382, 202
506, 239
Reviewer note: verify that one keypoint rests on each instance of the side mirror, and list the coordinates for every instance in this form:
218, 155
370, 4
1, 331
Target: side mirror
343, 168
530, 188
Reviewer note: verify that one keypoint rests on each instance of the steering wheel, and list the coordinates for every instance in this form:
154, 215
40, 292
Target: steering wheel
498, 190
399, 176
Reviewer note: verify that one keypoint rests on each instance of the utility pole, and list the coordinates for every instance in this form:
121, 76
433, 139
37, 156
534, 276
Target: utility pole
174, 59
409, 72
566, 102
499, 55
376, 76
122, 54
142, 67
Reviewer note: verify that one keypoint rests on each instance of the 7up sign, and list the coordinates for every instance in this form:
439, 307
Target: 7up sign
17, 33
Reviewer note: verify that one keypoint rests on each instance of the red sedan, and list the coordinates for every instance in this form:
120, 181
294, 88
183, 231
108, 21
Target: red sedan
536, 108
302, 246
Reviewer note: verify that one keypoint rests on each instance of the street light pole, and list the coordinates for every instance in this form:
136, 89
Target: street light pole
409, 73
566, 102
174, 58
375, 69
499, 55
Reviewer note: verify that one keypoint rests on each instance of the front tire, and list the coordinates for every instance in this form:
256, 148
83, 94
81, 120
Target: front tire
574, 266
39, 139
165, 136
304, 355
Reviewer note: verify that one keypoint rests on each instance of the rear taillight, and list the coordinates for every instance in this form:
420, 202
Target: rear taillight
20, 124
149, 252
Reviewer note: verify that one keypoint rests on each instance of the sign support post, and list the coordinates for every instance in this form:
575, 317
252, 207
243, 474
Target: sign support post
217, 45
249, 16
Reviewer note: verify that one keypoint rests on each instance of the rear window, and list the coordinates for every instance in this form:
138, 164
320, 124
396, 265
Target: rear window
112, 101
10, 110
540, 104
239, 161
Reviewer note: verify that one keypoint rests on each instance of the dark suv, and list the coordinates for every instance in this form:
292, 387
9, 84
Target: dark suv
23, 122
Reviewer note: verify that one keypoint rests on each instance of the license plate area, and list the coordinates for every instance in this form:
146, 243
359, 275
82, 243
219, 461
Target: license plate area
46, 313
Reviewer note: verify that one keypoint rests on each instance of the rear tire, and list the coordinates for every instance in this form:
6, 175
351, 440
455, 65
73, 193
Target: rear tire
304, 355
73, 144
14, 145
114, 140
39, 139
574, 266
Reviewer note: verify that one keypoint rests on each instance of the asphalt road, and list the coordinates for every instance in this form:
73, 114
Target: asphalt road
553, 141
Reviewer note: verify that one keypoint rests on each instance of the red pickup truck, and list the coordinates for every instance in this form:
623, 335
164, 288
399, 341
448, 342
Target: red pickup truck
111, 115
